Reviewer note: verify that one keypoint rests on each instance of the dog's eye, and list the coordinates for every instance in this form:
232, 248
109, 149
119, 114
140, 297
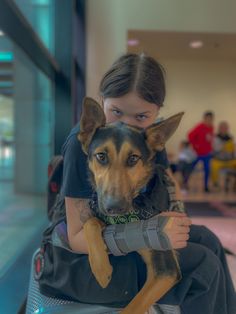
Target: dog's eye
132, 160
102, 158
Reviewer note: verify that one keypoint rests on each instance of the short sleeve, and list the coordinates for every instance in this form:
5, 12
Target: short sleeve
161, 159
75, 170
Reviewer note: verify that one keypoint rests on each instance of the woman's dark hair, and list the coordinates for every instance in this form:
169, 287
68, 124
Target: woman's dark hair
133, 72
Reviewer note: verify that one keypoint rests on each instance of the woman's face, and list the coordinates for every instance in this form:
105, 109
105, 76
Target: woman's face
130, 109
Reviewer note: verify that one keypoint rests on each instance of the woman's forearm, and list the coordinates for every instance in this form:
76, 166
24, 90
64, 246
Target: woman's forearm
78, 242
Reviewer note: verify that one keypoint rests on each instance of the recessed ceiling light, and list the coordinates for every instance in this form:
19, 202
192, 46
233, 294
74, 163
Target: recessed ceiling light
196, 44
1, 33
133, 42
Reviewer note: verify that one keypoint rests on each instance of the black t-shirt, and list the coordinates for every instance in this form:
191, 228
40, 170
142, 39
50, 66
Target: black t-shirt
75, 168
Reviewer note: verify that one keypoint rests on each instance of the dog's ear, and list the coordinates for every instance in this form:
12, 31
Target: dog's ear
92, 117
158, 134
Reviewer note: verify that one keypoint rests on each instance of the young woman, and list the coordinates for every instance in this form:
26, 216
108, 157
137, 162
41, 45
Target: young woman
133, 91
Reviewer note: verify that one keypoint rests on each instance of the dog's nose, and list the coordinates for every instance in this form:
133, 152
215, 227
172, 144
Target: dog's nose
113, 205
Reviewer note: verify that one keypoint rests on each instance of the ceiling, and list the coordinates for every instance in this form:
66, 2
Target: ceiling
175, 45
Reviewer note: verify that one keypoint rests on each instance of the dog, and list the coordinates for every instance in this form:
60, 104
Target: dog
120, 159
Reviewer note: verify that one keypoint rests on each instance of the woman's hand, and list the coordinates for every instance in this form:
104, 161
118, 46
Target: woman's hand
177, 229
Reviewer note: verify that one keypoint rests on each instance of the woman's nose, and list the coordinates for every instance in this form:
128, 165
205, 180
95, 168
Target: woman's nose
127, 120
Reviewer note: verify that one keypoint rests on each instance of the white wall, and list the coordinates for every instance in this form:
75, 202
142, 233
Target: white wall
195, 87
106, 40
179, 15
109, 20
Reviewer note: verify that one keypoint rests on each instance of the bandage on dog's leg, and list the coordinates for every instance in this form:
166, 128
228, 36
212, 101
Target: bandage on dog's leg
158, 283
98, 255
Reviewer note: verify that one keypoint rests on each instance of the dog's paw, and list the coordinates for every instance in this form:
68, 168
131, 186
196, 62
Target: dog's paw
102, 270
98, 256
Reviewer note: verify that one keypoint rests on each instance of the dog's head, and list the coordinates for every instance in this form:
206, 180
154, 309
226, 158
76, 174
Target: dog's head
120, 156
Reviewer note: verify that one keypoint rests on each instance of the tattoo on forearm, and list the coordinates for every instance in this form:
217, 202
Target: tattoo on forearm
82, 205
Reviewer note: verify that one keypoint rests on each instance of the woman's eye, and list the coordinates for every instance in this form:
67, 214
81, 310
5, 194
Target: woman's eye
102, 158
116, 112
141, 117
132, 160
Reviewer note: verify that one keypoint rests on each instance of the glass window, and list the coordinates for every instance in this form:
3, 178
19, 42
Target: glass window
34, 124
6, 110
6, 137
40, 14
26, 146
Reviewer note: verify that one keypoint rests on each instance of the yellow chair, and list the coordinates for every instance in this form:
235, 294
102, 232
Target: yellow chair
217, 163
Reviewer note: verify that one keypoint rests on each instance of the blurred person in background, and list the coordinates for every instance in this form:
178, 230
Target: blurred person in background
223, 152
173, 162
186, 157
201, 139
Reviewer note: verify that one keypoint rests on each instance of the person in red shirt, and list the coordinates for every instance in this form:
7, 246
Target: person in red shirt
201, 139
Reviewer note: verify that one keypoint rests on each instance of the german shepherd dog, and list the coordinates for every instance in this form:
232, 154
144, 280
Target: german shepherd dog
120, 158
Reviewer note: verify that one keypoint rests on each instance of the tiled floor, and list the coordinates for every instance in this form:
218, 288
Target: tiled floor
20, 218
196, 193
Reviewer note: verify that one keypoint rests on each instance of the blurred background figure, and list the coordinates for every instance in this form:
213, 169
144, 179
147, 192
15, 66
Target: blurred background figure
186, 157
173, 162
201, 139
223, 152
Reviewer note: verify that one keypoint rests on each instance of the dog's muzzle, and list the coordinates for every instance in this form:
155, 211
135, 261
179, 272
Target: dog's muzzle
113, 206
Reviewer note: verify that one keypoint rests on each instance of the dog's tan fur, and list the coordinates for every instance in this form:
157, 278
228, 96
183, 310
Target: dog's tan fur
119, 180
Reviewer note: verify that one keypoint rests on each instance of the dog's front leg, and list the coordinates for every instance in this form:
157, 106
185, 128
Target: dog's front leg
97, 250
162, 274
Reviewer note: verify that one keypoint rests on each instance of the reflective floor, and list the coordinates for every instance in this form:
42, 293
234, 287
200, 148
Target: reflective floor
22, 219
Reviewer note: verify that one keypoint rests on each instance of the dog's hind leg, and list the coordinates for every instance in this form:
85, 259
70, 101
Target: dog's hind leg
97, 250
159, 281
